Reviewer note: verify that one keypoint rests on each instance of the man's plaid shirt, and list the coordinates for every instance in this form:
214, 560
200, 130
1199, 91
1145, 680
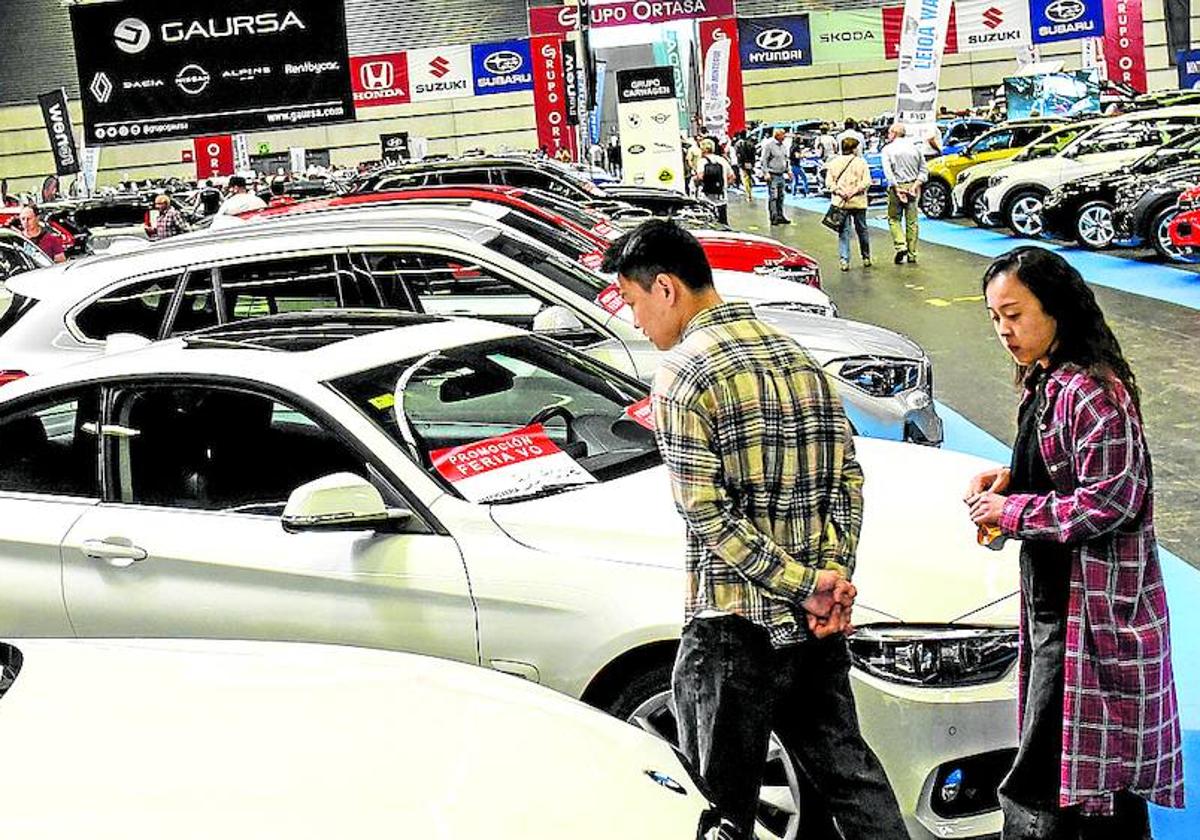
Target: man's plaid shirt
762, 468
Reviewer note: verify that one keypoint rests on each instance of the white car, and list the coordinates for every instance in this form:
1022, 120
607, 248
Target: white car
149, 739
471, 491
1015, 193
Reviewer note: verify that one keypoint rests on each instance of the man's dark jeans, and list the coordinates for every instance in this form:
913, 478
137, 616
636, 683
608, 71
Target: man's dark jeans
732, 688
776, 188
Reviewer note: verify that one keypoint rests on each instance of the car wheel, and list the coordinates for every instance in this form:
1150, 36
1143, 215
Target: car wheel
1094, 225
1160, 237
977, 206
1024, 214
935, 199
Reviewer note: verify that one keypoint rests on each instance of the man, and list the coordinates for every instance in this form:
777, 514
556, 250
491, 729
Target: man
240, 199
796, 157
905, 170
746, 158
773, 161
170, 221
713, 178
762, 468
40, 234
826, 144
851, 130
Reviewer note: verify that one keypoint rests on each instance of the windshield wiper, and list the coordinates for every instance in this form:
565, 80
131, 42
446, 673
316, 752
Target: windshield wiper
541, 492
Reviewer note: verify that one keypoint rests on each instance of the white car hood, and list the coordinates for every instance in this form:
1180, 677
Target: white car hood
763, 288
147, 740
828, 338
917, 557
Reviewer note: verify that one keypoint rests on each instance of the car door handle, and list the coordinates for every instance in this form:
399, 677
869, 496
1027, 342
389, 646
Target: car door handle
116, 551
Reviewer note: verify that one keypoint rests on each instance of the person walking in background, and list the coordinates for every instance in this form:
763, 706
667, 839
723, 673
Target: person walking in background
849, 177
713, 177
776, 168
1099, 726
240, 199
851, 130
614, 155
826, 144
170, 222
796, 155
747, 156
905, 170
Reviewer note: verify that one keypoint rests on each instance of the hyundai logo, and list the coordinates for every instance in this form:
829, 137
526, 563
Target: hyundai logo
774, 39
132, 35
192, 79
503, 62
1065, 11
377, 75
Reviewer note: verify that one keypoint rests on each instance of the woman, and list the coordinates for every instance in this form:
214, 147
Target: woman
1099, 730
849, 177
797, 152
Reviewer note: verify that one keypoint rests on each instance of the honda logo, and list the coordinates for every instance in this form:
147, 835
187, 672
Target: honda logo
439, 67
774, 39
993, 17
101, 87
1065, 11
503, 62
377, 75
131, 35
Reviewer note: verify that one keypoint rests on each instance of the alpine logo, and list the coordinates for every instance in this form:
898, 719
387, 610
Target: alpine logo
993, 17
774, 39
503, 62
439, 67
101, 87
1065, 11
377, 75
131, 35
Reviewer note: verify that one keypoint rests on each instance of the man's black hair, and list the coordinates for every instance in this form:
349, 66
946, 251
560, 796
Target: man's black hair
659, 246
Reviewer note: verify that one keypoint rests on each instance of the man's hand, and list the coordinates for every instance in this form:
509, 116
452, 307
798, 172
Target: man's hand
989, 481
830, 605
986, 509
837, 622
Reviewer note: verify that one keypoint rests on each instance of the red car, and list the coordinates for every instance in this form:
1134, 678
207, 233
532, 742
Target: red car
726, 250
1185, 227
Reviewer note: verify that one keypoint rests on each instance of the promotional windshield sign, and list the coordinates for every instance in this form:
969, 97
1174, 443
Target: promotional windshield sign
846, 36
721, 103
439, 73
992, 24
550, 96
781, 41
380, 79
922, 40
1063, 20
1125, 43
1189, 69
555, 20
503, 67
651, 154
516, 464
58, 126
150, 70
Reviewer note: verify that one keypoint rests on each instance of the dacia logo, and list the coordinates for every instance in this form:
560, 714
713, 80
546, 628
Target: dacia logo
774, 39
1065, 11
503, 62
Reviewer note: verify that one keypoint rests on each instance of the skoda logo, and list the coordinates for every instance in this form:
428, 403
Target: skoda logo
132, 35
637, 150
1065, 11
774, 39
503, 62
192, 79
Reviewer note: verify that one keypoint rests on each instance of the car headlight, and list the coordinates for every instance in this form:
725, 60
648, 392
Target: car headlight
879, 377
935, 656
997, 180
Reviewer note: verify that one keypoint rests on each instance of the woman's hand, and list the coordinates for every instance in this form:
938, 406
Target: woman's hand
989, 481
986, 509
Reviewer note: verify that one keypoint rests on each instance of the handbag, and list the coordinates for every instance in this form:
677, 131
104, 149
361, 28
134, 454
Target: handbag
835, 217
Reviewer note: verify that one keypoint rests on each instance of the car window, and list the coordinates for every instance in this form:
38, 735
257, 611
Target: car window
15, 259
992, 142
1024, 136
52, 448
289, 284
139, 308
212, 448
1127, 136
12, 309
453, 177
197, 304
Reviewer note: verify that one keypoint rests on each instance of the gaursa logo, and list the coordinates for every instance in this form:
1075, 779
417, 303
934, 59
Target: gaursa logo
266, 23
131, 35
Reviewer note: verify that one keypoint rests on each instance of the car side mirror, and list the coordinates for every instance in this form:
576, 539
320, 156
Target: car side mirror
340, 502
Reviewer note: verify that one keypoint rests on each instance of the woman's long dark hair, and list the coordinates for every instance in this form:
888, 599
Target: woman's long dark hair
1082, 335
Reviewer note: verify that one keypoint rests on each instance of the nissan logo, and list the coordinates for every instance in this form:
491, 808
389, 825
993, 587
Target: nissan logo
132, 35
377, 75
192, 79
1065, 11
774, 39
503, 62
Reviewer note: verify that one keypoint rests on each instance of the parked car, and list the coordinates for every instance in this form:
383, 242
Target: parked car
334, 477
254, 739
18, 254
1015, 194
960, 132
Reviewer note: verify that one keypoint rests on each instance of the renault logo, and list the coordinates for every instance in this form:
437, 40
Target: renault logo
1065, 11
101, 87
377, 75
132, 35
774, 39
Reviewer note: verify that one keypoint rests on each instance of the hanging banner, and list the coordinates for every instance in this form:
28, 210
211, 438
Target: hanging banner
893, 22
1027, 54
380, 79
721, 105
992, 24
439, 73
769, 42
1064, 20
503, 67
549, 96
394, 146
1188, 62
297, 160
241, 153
557, 20
570, 67
922, 41
89, 157
846, 36
675, 62
651, 154
213, 156
598, 111
58, 125
1125, 43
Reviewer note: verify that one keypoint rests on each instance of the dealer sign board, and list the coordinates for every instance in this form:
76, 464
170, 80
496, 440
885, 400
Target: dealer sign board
504, 67
150, 70
555, 20
650, 151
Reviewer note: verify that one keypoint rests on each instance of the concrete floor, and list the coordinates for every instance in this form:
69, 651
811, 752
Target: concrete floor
938, 303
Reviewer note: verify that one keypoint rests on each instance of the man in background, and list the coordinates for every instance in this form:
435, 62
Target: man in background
240, 199
776, 168
170, 222
905, 170
40, 234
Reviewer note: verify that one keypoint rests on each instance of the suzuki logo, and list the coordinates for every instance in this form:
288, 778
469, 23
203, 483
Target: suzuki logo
192, 79
503, 62
993, 17
132, 35
1065, 11
774, 39
377, 75
101, 87
439, 67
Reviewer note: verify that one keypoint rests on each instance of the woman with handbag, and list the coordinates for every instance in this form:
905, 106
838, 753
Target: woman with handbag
848, 177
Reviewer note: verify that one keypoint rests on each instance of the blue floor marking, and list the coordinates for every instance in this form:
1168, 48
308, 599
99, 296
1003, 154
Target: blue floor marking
1183, 593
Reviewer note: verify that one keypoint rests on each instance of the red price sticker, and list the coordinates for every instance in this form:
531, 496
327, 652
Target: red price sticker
610, 299
641, 413
514, 464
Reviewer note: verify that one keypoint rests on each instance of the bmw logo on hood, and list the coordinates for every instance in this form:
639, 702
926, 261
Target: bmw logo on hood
667, 782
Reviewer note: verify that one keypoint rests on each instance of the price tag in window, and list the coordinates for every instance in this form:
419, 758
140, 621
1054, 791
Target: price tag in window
611, 299
515, 464
593, 260
641, 413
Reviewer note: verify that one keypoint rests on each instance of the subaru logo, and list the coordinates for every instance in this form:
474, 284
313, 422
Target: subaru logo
503, 62
774, 39
377, 75
132, 35
192, 79
1065, 11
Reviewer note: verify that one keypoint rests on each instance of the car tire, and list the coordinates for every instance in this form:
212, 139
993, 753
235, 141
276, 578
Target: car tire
1023, 213
1160, 237
975, 206
1094, 225
936, 201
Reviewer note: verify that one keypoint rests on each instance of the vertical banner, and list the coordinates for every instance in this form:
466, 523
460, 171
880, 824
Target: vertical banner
598, 111
721, 104
781, 41
893, 23
549, 95
213, 156
1188, 62
855, 35
1027, 54
296, 160
58, 126
675, 62
922, 41
992, 24
570, 72
241, 153
651, 154
1125, 43
1064, 20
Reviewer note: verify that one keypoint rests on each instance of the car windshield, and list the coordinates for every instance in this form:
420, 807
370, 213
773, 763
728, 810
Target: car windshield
1185, 145
567, 209
567, 273
563, 240
509, 419
1052, 143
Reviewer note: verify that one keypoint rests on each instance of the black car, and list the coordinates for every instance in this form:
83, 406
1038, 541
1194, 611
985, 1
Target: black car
1143, 212
1082, 210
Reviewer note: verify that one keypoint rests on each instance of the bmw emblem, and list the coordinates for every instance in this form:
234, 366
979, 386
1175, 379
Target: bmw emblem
666, 781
